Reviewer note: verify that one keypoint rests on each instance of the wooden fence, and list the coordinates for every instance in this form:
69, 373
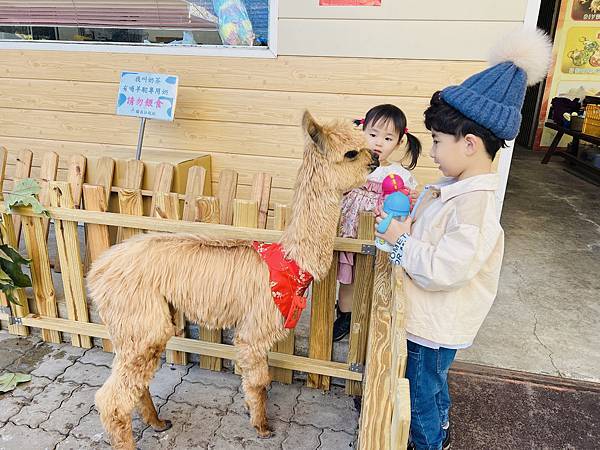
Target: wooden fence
112, 213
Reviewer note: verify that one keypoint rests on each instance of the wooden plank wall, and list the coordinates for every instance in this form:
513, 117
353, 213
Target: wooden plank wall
245, 112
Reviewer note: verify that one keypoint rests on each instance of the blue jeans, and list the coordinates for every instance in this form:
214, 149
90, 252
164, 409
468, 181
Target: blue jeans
427, 372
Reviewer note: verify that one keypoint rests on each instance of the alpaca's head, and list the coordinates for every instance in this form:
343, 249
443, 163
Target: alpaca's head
337, 153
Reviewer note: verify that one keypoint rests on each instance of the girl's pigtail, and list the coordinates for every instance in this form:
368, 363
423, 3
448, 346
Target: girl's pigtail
413, 147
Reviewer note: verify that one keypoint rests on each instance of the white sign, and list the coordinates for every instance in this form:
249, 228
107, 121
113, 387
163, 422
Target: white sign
148, 95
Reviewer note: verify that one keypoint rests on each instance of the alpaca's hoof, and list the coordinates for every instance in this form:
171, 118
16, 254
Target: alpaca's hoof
167, 426
264, 432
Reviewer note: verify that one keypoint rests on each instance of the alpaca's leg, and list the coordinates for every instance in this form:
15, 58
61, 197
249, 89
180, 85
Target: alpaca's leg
148, 412
126, 388
115, 401
255, 379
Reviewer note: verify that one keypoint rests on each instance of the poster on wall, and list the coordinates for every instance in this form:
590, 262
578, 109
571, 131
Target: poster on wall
350, 2
576, 55
581, 53
586, 10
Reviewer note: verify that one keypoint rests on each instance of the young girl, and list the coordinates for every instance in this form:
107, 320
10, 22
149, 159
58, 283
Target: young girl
385, 128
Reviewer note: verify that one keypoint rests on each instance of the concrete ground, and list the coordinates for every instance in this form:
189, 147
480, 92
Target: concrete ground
546, 318
492, 408
55, 410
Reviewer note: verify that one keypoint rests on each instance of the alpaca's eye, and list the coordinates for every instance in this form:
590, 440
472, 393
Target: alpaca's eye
351, 154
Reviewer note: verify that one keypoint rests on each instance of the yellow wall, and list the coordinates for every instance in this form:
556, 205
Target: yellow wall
245, 111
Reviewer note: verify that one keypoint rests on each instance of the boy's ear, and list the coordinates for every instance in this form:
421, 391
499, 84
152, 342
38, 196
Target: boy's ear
313, 131
472, 144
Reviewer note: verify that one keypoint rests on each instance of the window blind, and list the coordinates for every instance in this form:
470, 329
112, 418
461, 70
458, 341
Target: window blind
168, 14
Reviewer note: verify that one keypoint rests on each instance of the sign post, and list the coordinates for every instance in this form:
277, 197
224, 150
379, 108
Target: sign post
147, 96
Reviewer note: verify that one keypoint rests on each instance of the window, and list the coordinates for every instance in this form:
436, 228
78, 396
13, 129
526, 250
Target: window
165, 24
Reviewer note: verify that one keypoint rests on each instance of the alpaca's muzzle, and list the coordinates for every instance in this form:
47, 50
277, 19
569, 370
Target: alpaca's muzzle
374, 162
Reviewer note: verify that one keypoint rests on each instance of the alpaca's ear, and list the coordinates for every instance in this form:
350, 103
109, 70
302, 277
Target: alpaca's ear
313, 130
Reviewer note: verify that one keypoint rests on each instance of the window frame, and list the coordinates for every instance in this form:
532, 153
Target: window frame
269, 51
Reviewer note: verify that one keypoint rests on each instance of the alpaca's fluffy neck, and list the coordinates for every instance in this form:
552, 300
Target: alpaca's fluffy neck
309, 237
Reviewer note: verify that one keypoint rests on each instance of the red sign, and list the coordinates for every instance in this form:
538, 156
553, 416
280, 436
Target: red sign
350, 2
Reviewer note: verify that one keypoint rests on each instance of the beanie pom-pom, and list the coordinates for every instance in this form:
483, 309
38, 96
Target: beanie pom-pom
530, 50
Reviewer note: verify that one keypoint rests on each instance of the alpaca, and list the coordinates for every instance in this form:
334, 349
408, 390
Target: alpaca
137, 284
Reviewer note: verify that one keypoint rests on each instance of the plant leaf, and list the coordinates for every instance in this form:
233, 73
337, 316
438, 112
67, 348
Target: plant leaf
9, 381
11, 298
4, 277
14, 255
25, 194
15, 272
4, 255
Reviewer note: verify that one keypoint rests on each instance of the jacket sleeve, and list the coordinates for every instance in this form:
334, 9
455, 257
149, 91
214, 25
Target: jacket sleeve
452, 262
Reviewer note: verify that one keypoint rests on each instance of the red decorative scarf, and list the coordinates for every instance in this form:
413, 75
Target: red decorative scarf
288, 282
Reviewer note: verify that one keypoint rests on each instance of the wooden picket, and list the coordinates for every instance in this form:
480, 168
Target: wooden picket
361, 303
282, 218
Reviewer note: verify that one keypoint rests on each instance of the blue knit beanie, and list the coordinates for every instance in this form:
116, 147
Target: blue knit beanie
493, 98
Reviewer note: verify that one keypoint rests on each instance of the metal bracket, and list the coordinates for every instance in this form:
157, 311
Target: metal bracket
368, 249
12, 320
357, 367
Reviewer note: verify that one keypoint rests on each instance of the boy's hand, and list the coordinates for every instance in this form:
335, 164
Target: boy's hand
395, 229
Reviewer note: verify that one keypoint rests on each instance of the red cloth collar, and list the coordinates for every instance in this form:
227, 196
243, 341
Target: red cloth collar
288, 282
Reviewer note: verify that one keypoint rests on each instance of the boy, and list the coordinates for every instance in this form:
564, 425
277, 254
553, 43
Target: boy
451, 247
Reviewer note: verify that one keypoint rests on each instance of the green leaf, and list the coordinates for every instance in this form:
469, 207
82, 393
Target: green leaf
11, 270
25, 194
4, 255
4, 277
14, 255
11, 298
15, 272
9, 380
27, 186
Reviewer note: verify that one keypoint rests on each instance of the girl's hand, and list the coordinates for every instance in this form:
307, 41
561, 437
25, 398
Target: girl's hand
395, 229
413, 195
377, 211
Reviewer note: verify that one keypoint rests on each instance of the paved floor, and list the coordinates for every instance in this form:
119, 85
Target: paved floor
56, 409
492, 408
546, 318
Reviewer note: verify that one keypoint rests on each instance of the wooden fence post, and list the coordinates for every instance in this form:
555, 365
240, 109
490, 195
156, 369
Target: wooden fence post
261, 193
67, 241
130, 203
245, 214
399, 386
98, 239
207, 210
282, 218
166, 205
320, 343
102, 176
41, 277
48, 173
22, 171
376, 414
75, 177
361, 303
162, 183
134, 173
226, 194
8, 237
